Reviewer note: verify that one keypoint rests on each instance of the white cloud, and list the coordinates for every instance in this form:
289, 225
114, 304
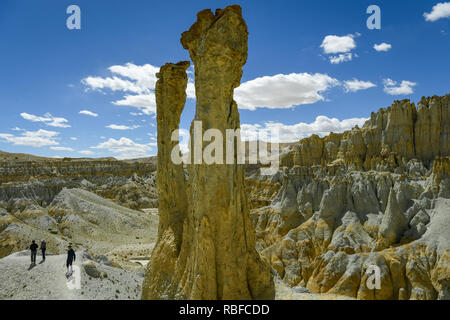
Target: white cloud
283, 91
122, 127
439, 11
382, 47
343, 57
47, 119
89, 113
73, 138
337, 44
61, 148
114, 84
38, 138
86, 152
124, 148
17, 129
391, 87
291, 133
356, 85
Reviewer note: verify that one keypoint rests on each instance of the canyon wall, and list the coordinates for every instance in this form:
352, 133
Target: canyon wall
130, 183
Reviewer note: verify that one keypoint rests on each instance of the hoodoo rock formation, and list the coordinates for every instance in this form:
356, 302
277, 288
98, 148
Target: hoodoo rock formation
217, 258
170, 91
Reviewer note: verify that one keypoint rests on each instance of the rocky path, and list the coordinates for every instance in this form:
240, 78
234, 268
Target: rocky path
47, 280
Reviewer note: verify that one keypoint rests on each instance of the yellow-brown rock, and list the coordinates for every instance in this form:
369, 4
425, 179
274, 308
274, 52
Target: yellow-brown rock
371, 197
161, 279
217, 257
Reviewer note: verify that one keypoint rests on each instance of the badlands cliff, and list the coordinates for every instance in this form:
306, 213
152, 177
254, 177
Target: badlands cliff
339, 207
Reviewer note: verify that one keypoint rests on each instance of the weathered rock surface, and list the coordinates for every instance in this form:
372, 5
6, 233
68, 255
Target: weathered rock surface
91, 269
217, 258
162, 277
377, 195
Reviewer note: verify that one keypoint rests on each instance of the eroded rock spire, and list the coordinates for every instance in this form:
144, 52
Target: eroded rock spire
217, 259
170, 91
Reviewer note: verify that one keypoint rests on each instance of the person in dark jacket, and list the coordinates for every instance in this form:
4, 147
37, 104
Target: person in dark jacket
33, 248
43, 248
70, 258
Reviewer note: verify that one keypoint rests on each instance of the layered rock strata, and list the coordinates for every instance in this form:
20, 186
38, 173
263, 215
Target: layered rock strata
130, 183
161, 278
217, 258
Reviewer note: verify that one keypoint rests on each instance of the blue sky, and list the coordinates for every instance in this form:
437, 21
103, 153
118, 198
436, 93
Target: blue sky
312, 68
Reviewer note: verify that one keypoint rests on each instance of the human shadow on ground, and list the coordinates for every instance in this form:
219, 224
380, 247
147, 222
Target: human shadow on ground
32, 265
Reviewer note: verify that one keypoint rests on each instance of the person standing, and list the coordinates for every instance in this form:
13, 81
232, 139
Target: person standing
70, 258
43, 248
33, 248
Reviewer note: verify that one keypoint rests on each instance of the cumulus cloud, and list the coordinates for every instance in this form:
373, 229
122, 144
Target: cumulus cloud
382, 47
89, 113
124, 148
138, 82
283, 90
343, 57
291, 133
122, 127
38, 138
393, 88
47, 119
145, 102
439, 11
357, 85
61, 148
335, 44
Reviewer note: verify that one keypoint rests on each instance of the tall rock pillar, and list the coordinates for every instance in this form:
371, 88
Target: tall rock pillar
160, 279
219, 243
